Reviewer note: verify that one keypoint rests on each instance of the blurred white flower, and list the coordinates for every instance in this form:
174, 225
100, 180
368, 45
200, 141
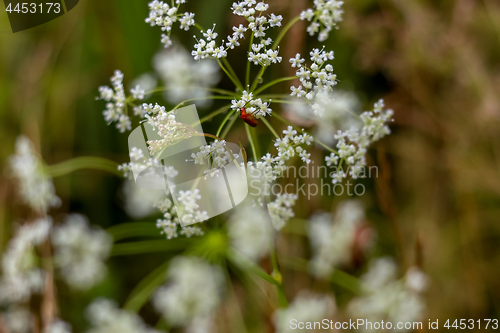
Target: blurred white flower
106, 317
332, 237
140, 202
326, 15
35, 186
384, 297
306, 307
193, 291
20, 274
58, 326
249, 231
281, 209
18, 319
416, 280
80, 251
146, 81
183, 77
316, 78
115, 108
330, 112
201, 325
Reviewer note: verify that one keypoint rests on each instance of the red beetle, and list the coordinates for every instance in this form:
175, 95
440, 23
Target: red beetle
248, 118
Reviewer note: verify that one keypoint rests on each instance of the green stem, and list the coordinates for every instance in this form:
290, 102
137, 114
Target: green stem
247, 265
272, 83
231, 70
338, 277
256, 81
150, 246
282, 301
133, 229
83, 162
201, 98
280, 101
215, 90
247, 77
228, 127
284, 31
143, 291
252, 144
264, 120
215, 113
229, 114
236, 83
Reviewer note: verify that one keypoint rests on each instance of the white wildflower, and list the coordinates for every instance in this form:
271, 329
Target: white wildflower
183, 77
35, 186
281, 209
253, 106
193, 291
140, 202
307, 308
115, 108
80, 251
332, 237
249, 231
106, 317
386, 297
326, 14
164, 15
58, 326
314, 79
18, 319
137, 92
21, 276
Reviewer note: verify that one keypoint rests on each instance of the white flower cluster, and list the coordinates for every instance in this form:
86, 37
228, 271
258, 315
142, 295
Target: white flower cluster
307, 308
281, 209
332, 238
189, 208
388, 298
106, 317
271, 167
80, 251
261, 55
169, 129
249, 231
315, 79
290, 144
21, 275
332, 111
170, 222
35, 186
151, 165
164, 16
58, 326
207, 47
183, 77
140, 202
325, 16
17, 319
116, 106
258, 24
353, 144
193, 291
215, 156
253, 106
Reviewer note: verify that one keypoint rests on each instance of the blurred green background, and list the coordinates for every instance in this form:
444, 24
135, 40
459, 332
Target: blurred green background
436, 63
